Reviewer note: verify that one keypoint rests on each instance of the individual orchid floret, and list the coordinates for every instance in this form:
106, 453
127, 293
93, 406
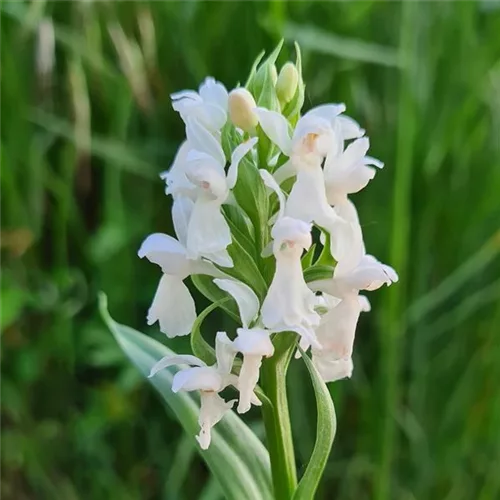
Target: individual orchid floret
349, 171
289, 304
308, 201
336, 334
208, 232
254, 344
208, 106
369, 275
314, 135
208, 380
242, 110
338, 326
172, 306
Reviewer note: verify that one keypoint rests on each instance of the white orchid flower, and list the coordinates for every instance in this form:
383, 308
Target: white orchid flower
349, 171
208, 232
337, 329
336, 334
172, 306
208, 380
208, 106
254, 344
289, 304
315, 135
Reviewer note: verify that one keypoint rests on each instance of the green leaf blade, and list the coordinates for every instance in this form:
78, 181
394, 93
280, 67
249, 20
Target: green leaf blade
235, 457
325, 434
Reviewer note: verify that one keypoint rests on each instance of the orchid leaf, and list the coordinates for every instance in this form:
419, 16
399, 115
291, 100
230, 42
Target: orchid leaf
236, 457
325, 433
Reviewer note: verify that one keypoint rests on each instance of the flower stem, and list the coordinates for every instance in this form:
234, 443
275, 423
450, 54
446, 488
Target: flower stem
277, 418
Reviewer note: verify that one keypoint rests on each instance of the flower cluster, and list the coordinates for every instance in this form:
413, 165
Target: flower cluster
254, 140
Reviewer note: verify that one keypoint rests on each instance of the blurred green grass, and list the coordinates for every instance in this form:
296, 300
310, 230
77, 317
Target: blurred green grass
86, 128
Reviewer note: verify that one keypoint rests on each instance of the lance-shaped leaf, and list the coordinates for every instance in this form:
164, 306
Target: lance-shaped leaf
325, 433
236, 457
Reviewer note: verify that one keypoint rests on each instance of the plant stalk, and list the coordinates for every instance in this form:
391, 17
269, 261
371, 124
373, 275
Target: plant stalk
277, 419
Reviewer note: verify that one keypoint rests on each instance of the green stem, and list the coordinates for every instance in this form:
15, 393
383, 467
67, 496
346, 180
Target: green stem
277, 419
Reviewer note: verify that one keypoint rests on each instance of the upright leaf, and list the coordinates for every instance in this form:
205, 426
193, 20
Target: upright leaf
236, 457
325, 433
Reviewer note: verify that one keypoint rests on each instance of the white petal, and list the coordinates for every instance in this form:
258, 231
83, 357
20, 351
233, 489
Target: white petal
284, 172
198, 378
181, 359
247, 301
202, 140
355, 151
307, 337
207, 175
364, 304
271, 183
221, 258
369, 160
347, 244
175, 177
239, 152
167, 252
184, 94
290, 229
207, 268
254, 341
208, 231
350, 128
212, 409
210, 116
197, 160
337, 330
327, 111
225, 353
332, 370
276, 127
370, 275
368, 278
233, 380
249, 376
181, 213
173, 307
214, 92
390, 273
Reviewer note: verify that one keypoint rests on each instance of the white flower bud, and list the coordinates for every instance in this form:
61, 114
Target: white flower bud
274, 74
287, 82
242, 109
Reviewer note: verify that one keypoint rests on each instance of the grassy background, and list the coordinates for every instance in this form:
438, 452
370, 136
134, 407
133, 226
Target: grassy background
86, 128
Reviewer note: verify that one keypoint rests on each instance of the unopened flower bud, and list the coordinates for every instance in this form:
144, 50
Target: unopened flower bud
242, 109
287, 82
274, 74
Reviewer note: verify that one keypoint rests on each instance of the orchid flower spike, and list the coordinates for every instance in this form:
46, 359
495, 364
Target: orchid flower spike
208, 232
208, 106
337, 329
208, 380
